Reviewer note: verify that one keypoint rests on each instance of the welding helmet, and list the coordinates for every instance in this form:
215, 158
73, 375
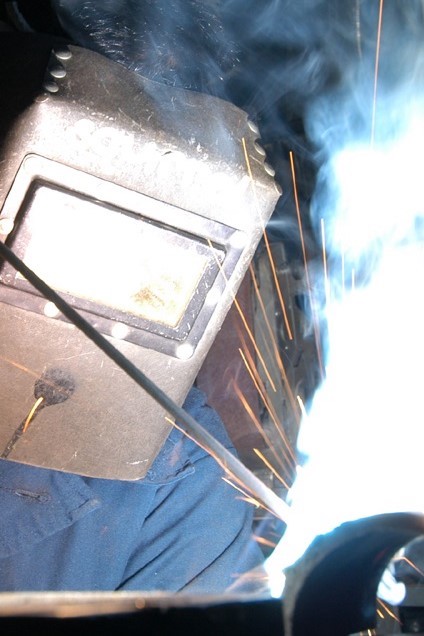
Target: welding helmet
142, 205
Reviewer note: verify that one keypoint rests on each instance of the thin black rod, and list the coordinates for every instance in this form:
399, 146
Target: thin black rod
232, 466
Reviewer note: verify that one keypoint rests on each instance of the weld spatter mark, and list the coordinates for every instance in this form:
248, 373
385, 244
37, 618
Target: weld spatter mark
54, 386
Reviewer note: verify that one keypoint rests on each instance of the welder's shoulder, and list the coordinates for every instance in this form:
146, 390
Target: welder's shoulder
179, 454
197, 406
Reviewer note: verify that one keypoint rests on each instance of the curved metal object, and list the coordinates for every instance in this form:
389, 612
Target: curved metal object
332, 589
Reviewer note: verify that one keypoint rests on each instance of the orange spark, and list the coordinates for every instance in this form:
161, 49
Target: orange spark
247, 498
32, 413
410, 563
261, 390
21, 367
376, 68
268, 249
277, 286
253, 341
245, 323
256, 422
271, 468
263, 541
245, 495
277, 355
276, 506
388, 610
305, 260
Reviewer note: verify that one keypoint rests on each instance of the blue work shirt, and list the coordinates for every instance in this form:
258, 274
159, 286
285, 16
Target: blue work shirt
181, 528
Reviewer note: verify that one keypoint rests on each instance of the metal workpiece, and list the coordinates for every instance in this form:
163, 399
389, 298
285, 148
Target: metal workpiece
332, 589
142, 205
88, 613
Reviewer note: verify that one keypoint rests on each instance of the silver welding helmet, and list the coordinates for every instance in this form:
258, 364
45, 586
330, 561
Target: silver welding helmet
142, 205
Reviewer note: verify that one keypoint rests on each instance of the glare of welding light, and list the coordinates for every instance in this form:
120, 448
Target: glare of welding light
111, 258
363, 434
379, 192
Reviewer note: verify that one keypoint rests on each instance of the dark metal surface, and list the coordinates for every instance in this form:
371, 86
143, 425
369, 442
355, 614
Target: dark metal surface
219, 616
333, 587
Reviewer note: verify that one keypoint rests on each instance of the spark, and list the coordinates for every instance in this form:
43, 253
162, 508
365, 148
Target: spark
257, 423
20, 430
21, 367
324, 263
268, 248
253, 341
271, 467
254, 375
253, 502
388, 610
263, 541
248, 499
34, 374
290, 457
245, 497
245, 323
277, 355
267, 352
277, 286
412, 565
32, 413
302, 407
376, 67
305, 260
243, 476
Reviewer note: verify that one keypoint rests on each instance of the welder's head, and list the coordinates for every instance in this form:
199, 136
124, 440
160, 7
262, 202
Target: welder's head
141, 205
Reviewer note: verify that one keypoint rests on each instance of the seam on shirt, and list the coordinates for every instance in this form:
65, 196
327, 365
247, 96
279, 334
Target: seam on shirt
36, 497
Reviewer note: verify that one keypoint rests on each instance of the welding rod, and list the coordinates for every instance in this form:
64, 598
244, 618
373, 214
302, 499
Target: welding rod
232, 466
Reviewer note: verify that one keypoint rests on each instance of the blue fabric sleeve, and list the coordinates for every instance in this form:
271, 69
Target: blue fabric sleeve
182, 528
